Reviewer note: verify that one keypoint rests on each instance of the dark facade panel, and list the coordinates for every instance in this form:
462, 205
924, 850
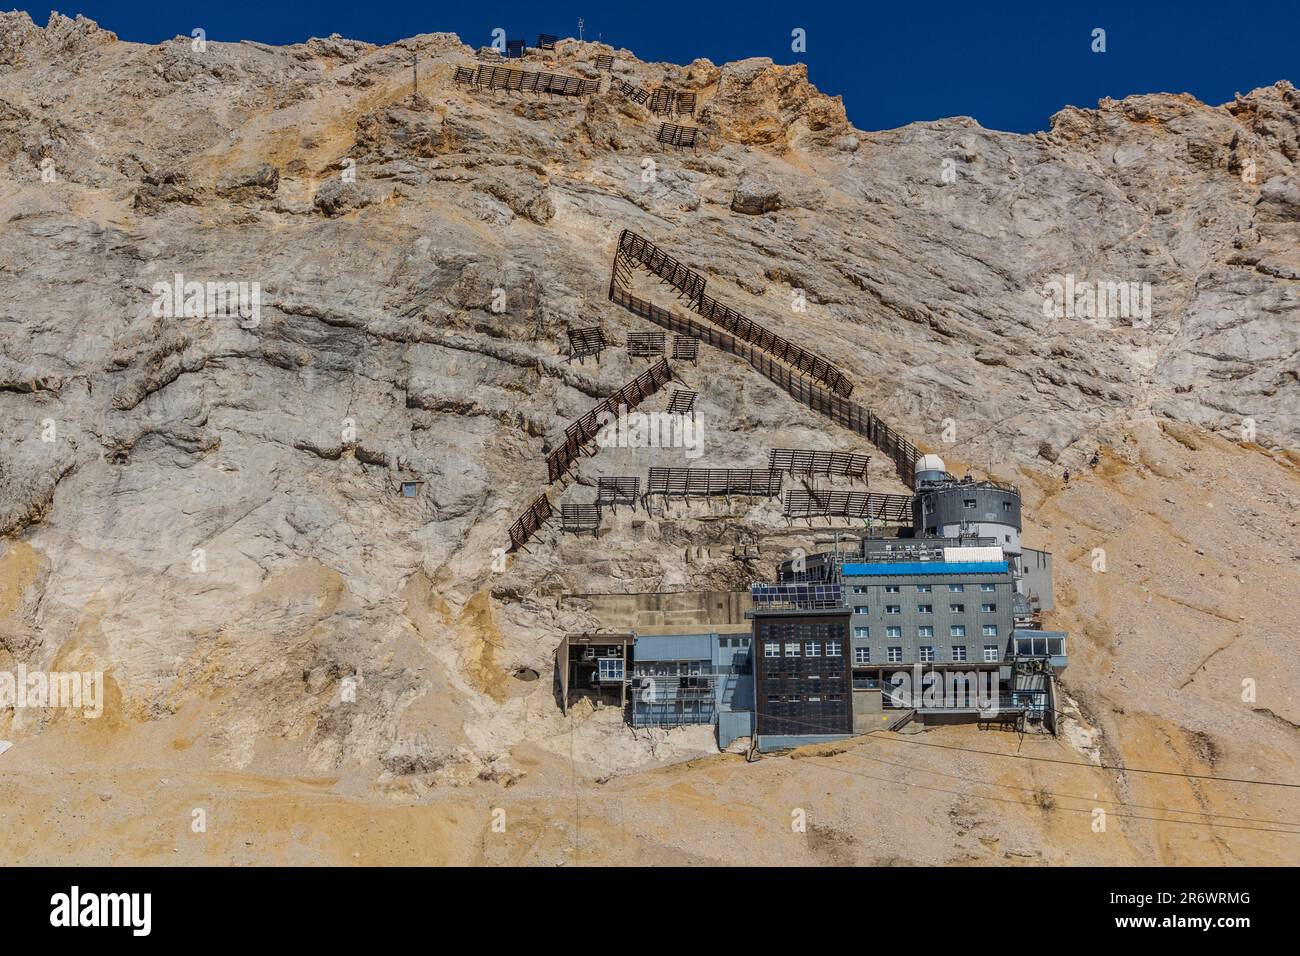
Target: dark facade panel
802, 675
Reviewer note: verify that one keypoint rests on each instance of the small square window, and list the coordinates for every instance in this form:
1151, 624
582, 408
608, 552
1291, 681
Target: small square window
862, 633
925, 609
895, 655
925, 630
892, 589
893, 632
957, 608
792, 649
893, 609
991, 654
989, 630
833, 650
956, 588
927, 654
410, 489
988, 608
812, 649
923, 589
959, 652
862, 655
957, 630
968, 503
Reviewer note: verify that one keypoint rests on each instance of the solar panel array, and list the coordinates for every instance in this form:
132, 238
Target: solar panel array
813, 596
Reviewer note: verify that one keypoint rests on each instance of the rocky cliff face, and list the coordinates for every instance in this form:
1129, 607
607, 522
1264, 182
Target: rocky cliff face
205, 506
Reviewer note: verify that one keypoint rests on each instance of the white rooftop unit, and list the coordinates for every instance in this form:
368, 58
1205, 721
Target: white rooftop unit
987, 553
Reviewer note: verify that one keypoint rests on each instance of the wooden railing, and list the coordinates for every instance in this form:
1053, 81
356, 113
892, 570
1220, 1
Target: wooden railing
841, 410
848, 504
560, 460
690, 286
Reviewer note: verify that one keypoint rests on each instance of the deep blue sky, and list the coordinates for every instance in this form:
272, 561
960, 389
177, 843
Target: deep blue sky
1008, 64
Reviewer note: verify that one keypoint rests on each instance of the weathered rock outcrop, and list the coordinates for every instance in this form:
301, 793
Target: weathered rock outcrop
207, 505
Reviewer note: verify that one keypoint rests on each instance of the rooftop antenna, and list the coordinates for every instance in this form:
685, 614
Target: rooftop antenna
580, 26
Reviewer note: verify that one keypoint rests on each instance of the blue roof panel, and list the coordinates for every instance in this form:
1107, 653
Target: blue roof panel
923, 567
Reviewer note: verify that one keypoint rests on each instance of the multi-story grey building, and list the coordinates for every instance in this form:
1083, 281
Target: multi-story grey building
928, 612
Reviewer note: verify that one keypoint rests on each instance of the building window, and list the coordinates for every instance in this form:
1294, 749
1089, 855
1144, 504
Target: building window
861, 609
895, 655
812, 649
814, 699
610, 668
833, 650
989, 630
957, 630
892, 589
988, 608
1006, 506
792, 649
927, 654
968, 503
771, 650
862, 655
988, 587
956, 588
1008, 538
925, 630
410, 489
862, 633
925, 609
923, 589
957, 608
858, 589
893, 609
959, 652
893, 632
991, 655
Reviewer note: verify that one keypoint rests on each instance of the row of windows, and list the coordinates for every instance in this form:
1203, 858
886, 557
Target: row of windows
925, 630
777, 675
986, 586
992, 654
797, 698
925, 609
803, 649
